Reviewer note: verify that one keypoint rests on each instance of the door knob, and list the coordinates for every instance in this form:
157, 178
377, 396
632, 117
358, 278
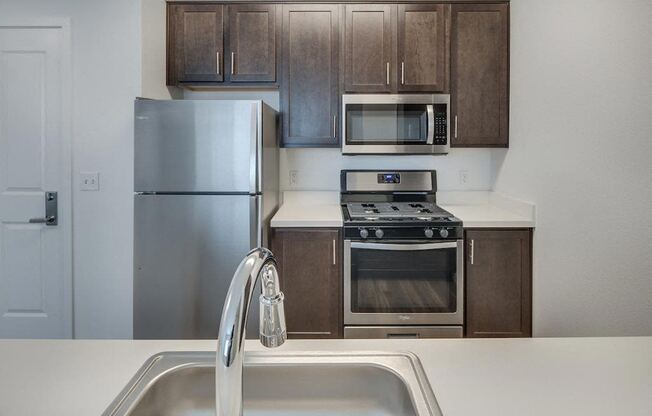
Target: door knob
50, 211
47, 220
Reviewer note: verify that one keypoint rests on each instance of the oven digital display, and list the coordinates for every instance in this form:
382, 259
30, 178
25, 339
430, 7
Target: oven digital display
389, 178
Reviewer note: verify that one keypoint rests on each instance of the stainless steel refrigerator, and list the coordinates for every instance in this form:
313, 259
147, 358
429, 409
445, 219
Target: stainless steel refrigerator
206, 186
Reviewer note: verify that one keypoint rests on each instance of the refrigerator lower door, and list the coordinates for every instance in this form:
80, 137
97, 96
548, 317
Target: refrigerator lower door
186, 250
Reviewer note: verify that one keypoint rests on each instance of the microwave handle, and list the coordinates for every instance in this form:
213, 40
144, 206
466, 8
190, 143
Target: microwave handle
430, 110
403, 247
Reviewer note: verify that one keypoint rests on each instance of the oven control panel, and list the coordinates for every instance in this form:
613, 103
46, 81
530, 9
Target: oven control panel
404, 233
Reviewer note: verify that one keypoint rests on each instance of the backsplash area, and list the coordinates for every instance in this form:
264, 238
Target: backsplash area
319, 169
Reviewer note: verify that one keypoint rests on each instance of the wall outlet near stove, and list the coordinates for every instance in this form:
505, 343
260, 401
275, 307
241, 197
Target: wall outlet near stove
464, 177
293, 177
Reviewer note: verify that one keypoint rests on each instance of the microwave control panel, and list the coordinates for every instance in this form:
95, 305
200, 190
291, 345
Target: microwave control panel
441, 125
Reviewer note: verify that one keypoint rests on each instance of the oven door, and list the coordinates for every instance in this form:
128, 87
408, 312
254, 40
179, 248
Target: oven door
403, 283
390, 124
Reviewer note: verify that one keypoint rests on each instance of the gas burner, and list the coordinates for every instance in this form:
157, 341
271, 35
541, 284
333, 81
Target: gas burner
406, 211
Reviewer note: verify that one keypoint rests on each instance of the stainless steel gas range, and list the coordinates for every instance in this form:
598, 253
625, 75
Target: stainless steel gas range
403, 257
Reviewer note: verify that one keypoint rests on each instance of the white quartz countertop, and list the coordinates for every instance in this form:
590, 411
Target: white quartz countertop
309, 209
475, 209
540, 376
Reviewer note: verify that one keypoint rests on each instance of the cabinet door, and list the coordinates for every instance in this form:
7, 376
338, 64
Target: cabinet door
309, 93
251, 39
479, 75
498, 283
195, 43
422, 47
370, 65
310, 273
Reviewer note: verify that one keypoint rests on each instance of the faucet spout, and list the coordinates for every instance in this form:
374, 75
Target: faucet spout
259, 264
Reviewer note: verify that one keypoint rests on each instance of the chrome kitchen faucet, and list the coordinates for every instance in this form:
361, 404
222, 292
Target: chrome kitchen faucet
259, 264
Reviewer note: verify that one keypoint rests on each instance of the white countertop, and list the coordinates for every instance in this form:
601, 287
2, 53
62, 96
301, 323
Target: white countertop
544, 376
475, 209
309, 209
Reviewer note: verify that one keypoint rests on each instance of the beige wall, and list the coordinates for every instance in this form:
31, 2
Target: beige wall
580, 149
153, 52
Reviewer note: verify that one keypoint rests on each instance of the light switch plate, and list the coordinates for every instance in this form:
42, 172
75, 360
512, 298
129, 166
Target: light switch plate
89, 181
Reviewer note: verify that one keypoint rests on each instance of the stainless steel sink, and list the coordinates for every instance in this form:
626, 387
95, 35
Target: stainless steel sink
319, 384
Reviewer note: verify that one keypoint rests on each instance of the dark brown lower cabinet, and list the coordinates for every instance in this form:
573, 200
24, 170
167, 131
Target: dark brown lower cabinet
498, 283
310, 270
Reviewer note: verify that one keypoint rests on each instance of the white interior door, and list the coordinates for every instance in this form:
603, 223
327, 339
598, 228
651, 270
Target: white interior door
35, 258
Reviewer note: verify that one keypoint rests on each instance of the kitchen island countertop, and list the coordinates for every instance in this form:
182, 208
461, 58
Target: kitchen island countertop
540, 376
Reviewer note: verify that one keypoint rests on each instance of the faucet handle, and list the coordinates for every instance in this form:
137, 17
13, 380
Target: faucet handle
272, 314
272, 321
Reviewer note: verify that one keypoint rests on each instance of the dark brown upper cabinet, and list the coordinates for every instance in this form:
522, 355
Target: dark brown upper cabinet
251, 34
370, 62
310, 84
480, 75
195, 43
498, 283
423, 47
310, 273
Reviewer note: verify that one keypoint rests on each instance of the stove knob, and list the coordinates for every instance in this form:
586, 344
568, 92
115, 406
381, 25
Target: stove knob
364, 233
429, 233
379, 233
443, 233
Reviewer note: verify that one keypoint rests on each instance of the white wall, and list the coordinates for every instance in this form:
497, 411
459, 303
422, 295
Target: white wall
153, 34
105, 80
319, 169
581, 145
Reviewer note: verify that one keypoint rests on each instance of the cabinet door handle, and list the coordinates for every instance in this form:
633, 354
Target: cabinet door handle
472, 252
387, 73
402, 73
455, 127
335, 126
217, 62
334, 254
232, 63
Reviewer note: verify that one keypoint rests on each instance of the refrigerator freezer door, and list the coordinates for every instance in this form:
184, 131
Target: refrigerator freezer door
186, 250
196, 146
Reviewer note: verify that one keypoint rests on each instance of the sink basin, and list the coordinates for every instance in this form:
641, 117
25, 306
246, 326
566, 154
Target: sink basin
310, 384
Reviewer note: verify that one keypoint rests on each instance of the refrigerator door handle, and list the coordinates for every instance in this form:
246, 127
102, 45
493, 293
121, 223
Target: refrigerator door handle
255, 221
254, 162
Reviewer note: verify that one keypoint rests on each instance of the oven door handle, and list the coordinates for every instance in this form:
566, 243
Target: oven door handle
430, 110
404, 247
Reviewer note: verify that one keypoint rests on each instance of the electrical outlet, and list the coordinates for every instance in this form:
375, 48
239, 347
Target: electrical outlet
89, 181
293, 177
464, 177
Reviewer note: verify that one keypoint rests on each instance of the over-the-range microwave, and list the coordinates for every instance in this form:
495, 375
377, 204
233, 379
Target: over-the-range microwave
395, 123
